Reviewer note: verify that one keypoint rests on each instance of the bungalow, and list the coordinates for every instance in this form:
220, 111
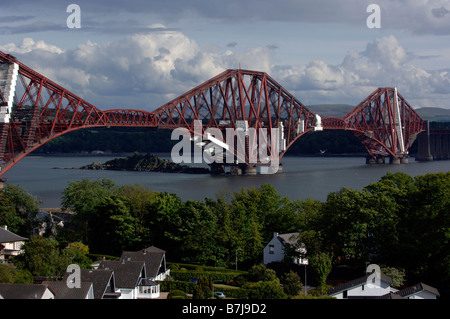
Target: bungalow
131, 280
155, 261
10, 244
359, 289
275, 249
103, 281
26, 291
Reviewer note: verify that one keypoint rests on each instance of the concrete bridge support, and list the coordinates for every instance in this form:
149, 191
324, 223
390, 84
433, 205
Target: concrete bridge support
424, 146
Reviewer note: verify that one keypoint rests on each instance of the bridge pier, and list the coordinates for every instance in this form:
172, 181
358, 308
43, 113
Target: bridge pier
250, 170
424, 145
394, 160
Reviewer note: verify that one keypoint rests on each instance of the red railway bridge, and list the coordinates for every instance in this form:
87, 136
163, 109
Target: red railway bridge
35, 110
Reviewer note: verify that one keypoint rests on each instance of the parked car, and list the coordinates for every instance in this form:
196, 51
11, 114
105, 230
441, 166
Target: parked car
220, 294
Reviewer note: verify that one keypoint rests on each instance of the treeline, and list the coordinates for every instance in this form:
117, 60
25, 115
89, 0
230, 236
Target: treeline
399, 221
114, 139
145, 140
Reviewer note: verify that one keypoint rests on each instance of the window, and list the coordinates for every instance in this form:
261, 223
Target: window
271, 249
344, 294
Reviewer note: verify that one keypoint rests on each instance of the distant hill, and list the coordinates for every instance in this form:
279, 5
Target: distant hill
334, 110
434, 114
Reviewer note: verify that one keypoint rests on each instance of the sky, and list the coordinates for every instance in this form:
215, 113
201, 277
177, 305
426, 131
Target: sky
141, 54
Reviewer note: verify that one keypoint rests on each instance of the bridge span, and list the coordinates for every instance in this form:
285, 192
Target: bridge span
35, 110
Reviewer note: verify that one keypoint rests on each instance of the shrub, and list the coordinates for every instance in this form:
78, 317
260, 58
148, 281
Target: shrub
177, 294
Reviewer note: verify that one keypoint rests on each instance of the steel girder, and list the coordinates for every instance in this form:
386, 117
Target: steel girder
385, 123
44, 110
235, 97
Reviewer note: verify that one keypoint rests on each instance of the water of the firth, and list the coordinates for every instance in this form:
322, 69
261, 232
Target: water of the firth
302, 177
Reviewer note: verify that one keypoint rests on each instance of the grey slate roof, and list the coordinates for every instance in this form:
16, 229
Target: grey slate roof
61, 290
152, 256
22, 291
6, 236
102, 280
390, 295
289, 238
356, 282
417, 288
127, 273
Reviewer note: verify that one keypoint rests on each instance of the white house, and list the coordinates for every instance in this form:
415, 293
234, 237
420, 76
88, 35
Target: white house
128, 276
275, 249
363, 287
10, 243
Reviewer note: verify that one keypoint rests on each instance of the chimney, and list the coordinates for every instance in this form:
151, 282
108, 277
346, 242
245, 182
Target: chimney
275, 235
5, 227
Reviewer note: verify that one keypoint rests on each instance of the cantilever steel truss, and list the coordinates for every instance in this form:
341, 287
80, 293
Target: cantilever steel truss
43, 110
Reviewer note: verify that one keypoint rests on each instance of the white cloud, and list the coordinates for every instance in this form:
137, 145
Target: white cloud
147, 70
27, 45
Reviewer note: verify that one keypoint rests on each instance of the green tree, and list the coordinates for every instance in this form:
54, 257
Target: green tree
18, 209
321, 265
292, 284
77, 253
165, 221
112, 227
83, 196
6, 274
203, 289
261, 273
10, 275
264, 290
41, 257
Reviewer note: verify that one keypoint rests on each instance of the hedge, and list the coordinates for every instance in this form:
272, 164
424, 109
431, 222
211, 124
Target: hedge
188, 287
212, 275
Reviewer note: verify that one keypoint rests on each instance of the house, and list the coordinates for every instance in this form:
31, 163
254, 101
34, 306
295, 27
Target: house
155, 261
419, 291
131, 280
26, 291
103, 282
274, 251
360, 289
10, 244
62, 291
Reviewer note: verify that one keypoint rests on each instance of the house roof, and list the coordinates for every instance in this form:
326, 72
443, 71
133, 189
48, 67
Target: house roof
126, 273
390, 295
22, 291
289, 238
100, 279
406, 292
355, 283
62, 291
152, 256
7, 237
